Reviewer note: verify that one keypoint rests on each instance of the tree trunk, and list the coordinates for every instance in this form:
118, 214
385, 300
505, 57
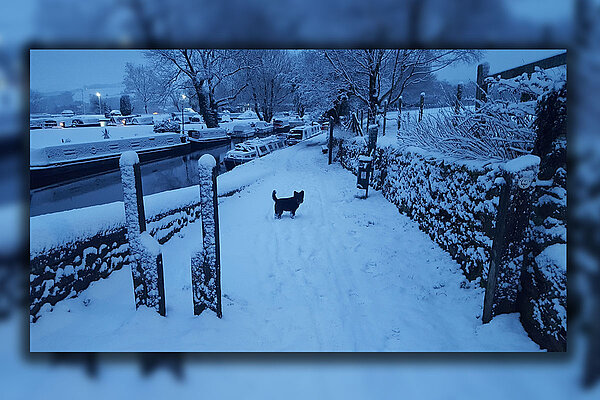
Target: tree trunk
203, 109
384, 118
372, 98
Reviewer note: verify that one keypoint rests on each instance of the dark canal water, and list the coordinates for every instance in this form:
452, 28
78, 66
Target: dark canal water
157, 176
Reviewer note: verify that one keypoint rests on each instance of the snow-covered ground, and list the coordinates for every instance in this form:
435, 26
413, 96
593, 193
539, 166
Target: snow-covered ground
347, 274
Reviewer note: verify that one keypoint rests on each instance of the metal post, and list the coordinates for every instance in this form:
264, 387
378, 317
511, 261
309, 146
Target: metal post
330, 143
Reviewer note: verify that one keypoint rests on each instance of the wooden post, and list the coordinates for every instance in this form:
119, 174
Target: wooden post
509, 245
399, 113
385, 107
361, 121
330, 142
206, 263
421, 105
483, 71
459, 93
147, 269
497, 250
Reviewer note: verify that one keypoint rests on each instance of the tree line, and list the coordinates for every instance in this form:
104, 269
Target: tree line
329, 82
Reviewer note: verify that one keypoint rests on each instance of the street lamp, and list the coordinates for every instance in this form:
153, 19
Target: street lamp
183, 97
99, 102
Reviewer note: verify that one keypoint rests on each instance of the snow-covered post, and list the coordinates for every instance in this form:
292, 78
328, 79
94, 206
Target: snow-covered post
372, 144
330, 142
361, 121
459, 93
483, 70
147, 269
206, 264
508, 246
399, 113
421, 105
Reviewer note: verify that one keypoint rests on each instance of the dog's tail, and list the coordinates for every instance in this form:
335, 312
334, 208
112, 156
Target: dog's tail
274, 197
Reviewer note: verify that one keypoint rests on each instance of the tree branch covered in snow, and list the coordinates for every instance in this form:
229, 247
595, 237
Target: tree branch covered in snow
501, 128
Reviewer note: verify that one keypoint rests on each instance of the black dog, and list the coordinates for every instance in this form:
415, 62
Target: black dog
290, 204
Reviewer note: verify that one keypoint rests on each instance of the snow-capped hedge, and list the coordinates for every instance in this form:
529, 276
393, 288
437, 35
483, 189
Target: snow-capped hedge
456, 203
544, 281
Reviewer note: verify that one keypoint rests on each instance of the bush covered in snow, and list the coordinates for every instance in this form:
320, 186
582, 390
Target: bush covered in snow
545, 305
166, 125
501, 129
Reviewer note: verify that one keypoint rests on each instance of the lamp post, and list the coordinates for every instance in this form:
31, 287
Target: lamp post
183, 97
99, 102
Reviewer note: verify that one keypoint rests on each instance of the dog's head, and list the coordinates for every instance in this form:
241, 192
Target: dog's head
299, 196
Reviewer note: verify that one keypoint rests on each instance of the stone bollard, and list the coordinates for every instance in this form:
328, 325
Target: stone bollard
147, 269
205, 263
509, 247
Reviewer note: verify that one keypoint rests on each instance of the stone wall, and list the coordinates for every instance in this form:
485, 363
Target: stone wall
456, 204
67, 268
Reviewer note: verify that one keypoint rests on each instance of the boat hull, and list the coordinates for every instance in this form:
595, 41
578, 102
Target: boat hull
67, 171
200, 144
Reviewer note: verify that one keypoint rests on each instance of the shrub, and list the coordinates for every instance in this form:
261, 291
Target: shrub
166, 125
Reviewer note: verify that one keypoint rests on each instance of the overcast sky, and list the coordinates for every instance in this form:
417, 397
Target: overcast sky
58, 70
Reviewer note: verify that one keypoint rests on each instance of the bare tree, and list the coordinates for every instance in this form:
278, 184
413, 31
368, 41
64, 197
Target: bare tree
267, 76
142, 82
35, 101
204, 71
378, 77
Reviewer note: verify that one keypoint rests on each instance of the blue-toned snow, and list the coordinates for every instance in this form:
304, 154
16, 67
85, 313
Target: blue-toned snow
347, 274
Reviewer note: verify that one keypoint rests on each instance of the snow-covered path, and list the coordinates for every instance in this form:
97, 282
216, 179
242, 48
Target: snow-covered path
347, 274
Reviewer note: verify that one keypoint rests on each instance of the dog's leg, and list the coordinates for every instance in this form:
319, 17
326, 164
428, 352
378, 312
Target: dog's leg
293, 214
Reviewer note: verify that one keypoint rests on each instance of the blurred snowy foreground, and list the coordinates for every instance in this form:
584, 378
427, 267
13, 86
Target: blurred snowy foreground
347, 274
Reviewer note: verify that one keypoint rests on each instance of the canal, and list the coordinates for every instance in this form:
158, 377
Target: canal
157, 176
